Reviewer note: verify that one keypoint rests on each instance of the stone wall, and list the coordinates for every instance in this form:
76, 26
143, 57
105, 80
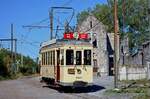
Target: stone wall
134, 73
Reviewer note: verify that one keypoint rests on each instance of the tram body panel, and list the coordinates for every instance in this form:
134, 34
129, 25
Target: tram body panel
66, 69
47, 71
68, 76
70, 73
47, 68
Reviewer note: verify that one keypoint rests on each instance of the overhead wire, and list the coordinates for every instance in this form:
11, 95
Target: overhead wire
67, 3
31, 51
43, 20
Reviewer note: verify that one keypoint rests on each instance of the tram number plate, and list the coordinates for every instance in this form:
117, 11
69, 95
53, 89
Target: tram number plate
78, 77
71, 71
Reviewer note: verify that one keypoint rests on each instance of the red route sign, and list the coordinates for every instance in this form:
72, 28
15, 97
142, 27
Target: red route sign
68, 35
83, 36
71, 35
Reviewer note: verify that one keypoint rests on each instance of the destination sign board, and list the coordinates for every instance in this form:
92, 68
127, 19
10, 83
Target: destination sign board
72, 35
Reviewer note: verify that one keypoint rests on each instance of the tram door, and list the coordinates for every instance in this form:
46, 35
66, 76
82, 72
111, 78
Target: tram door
58, 66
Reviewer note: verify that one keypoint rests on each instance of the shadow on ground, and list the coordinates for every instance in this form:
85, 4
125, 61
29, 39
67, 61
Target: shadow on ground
88, 89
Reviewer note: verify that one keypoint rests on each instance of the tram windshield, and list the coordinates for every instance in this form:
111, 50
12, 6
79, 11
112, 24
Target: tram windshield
87, 57
78, 58
69, 57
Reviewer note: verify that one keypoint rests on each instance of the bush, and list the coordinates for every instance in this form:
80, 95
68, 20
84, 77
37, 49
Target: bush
28, 70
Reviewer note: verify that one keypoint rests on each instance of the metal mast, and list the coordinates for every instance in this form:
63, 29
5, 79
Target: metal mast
12, 43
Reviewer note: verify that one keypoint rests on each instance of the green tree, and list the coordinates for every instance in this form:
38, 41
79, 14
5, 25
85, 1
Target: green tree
6, 64
1, 65
136, 19
104, 14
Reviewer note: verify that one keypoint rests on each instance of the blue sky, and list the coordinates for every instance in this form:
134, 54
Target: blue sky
28, 12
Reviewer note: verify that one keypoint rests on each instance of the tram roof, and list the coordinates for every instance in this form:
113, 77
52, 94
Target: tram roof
65, 42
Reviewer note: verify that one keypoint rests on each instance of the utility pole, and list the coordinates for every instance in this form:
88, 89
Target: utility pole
21, 60
149, 17
116, 45
12, 57
21, 55
16, 69
12, 42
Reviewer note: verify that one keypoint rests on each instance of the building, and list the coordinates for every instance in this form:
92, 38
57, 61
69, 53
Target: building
136, 65
139, 58
102, 43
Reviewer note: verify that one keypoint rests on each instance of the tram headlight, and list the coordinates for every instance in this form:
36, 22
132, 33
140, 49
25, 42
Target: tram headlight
79, 71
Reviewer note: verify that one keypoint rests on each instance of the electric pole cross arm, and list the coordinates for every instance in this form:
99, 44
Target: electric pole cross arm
8, 39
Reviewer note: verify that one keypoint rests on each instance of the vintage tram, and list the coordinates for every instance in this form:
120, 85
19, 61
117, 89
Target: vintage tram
67, 62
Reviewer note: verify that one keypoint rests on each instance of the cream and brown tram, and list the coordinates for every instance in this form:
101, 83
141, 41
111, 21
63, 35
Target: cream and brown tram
67, 62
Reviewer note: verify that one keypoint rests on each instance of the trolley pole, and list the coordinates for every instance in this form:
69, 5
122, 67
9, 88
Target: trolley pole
116, 45
51, 23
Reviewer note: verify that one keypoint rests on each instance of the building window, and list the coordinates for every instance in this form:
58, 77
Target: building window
87, 57
78, 58
91, 24
69, 57
94, 42
95, 62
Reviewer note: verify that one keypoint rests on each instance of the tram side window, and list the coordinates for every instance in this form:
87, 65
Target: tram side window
46, 58
50, 57
42, 59
53, 57
69, 57
87, 57
78, 58
62, 57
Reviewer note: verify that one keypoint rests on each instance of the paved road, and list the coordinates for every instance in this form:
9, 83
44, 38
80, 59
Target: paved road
31, 88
